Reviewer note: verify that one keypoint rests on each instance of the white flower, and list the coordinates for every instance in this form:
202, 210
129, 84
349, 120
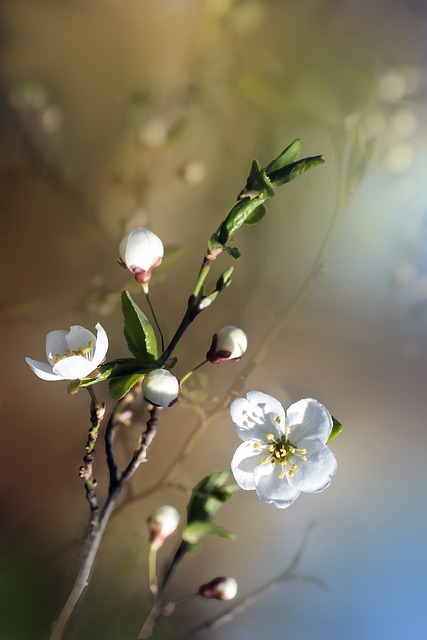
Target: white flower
161, 524
283, 453
160, 387
219, 588
72, 354
141, 251
229, 343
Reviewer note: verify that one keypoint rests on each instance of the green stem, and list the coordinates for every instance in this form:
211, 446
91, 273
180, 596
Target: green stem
190, 373
152, 573
147, 296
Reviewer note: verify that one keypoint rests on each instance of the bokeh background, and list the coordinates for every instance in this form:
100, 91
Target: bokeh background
120, 114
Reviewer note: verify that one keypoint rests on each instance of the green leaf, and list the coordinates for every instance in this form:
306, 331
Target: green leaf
119, 387
139, 333
336, 429
257, 215
295, 169
117, 369
224, 280
285, 158
237, 216
73, 386
198, 529
258, 183
208, 496
233, 252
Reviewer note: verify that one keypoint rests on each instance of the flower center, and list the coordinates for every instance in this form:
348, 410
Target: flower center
284, 453
85, 352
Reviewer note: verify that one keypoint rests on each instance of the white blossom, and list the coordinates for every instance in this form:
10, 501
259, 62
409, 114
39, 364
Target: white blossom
160, 387
72, 354
283, 452
161, 524
229, 343
141, 251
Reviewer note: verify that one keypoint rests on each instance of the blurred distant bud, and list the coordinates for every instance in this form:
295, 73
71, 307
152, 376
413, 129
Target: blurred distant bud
392, 86
229, 343
153, 133
161, 524
219, 588
399, 158
51, 119
194, 172
140, 252
161, 388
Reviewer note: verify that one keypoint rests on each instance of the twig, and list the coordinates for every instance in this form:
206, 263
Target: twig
283, 577
94, 536
97, 412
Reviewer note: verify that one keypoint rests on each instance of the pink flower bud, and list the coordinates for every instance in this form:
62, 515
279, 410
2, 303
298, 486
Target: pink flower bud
219, 588
161, 524
229, 343
140, 252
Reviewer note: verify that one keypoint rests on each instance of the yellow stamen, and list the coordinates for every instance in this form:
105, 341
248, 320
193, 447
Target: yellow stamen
303, 451
294, 466
264, 460
304, 458
287, 430
291, 473
270, 436
282, 474
271, 448
257, 445
277, 419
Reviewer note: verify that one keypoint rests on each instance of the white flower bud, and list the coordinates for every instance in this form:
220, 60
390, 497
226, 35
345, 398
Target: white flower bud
161, 524
160, 387
229, 343
219, 588
141, 251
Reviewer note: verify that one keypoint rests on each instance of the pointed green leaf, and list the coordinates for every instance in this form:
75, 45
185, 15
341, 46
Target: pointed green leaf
224, 280
73, 386
233, 252
336, 429
257, 215
139, 333
208, 496
198, 529
119, 387
258, 183
285, 158
295, 169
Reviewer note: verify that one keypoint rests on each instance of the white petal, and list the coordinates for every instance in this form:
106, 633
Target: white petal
271, 488
56, 344
313, 475
73, 368
244, 462
79, 337
101, 345
255, 416
310, 423
42, 369
141, 248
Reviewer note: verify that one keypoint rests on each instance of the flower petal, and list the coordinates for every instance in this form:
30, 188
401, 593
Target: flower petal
101, 345
255, 416
79, 337
313, 474
310, 423
73, 368
42, 369
56, 344
271, 488
244, 462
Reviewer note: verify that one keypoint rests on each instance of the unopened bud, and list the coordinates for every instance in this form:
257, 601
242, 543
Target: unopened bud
161, 388
219, 588
141, 251
229, 343
161, 524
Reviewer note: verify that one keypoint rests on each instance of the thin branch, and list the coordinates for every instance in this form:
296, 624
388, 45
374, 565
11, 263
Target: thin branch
97, 412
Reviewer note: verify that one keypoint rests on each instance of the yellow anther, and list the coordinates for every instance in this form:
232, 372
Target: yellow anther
256, 445
264, 460
90, 344
283, 461
272, 460
283, 451
291, 473
304, 458
303, 451
291, 450
271, 448
277, 419
287, 430
282, 474
270, 436
277, 454
294, 466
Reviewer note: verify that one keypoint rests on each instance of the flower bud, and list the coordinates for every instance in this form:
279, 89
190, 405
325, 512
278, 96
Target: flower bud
141, 251
160, 387
161, 524
229, 343
219, 588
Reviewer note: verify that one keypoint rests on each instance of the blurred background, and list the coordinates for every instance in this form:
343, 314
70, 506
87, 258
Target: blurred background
120, 114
